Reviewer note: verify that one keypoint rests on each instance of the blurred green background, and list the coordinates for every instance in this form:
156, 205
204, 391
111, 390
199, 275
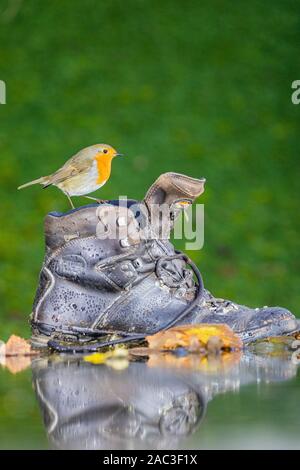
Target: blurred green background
199, 87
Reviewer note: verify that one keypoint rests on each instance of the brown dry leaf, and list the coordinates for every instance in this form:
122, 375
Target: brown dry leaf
17, 364
206, 364
195, 338
17, 346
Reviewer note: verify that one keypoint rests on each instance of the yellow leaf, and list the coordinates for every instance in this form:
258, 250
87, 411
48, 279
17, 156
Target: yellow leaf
98, 358
196, 338
115, 358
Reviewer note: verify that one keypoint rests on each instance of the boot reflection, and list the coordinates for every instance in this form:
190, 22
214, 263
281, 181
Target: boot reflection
146, 406
86, 406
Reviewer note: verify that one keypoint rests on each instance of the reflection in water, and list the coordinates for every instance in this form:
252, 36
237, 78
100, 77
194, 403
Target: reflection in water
151, 405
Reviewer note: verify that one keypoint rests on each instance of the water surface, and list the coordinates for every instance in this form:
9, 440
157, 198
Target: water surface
242, 400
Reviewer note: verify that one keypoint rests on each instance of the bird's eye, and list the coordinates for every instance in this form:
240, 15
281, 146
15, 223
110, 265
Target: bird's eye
105, 151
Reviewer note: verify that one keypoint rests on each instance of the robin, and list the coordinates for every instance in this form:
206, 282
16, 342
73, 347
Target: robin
84, 173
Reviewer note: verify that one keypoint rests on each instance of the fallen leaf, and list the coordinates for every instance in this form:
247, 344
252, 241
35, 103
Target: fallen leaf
17, 364
120, 363
17, 346
97, 358
2, 348
208, 364
116, 358
196, 338
214, 345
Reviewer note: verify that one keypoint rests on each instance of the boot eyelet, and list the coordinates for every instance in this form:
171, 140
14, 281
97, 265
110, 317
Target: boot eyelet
137, 263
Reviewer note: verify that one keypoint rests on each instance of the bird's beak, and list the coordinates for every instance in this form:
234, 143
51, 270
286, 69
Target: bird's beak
119, 155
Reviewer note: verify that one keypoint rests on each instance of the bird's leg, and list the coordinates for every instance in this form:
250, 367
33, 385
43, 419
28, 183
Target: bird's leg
95, 199
70, 201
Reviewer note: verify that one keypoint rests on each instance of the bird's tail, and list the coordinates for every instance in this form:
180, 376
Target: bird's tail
41, 180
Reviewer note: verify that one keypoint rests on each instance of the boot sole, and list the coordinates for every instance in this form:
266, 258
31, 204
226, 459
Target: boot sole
287, 327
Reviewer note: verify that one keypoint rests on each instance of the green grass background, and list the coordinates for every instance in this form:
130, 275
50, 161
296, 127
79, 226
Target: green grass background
199, 87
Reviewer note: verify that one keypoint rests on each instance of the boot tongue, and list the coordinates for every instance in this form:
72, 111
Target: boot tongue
170, 188
169, 195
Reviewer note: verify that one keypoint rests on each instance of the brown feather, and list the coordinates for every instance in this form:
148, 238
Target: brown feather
74, 166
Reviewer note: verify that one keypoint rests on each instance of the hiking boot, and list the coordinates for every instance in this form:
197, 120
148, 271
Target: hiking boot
110, 269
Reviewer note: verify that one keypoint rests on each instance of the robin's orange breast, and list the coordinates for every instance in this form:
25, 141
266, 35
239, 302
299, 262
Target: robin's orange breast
104, 168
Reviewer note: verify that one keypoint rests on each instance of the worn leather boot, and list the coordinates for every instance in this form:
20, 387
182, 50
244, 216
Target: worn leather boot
110, 269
